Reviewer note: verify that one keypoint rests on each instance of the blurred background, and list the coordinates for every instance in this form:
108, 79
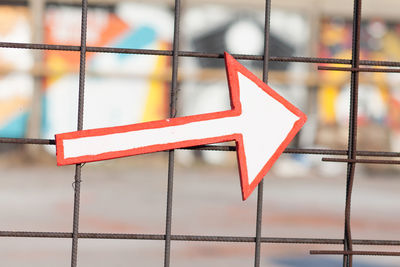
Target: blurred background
304, 197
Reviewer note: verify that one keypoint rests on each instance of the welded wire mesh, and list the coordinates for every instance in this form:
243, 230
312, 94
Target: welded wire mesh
351, 154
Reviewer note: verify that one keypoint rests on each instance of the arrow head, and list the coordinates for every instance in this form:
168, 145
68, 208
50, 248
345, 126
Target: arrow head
268, 123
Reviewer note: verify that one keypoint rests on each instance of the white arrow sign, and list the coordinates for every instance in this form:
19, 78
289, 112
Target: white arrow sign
261, 122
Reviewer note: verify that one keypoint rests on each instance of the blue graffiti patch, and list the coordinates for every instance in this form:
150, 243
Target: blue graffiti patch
138, 39
16, 128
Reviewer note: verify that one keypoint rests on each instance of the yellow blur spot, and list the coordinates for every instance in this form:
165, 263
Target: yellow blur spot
155, 107
327, 96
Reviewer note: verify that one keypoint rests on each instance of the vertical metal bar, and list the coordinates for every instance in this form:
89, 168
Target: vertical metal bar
257, 254
75, 227
171, 154
78, 167
260, 192
352, 138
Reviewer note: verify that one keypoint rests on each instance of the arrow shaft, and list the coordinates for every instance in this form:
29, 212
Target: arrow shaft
169, 136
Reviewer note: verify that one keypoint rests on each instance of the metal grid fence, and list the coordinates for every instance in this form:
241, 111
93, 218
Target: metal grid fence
352, 154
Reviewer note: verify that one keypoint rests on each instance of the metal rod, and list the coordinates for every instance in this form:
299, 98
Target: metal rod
171, 153
367, 161
155, 52
32, 141
40, 46
358, 69
78, 167
352, 252
352, 137
260, 189
199, 238
310, 151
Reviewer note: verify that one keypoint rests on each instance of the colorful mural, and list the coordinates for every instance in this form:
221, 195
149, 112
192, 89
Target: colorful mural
119, 88
123, 89
380, 41
16, 83
379, 96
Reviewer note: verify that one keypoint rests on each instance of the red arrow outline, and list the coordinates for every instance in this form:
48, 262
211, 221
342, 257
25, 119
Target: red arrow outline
232, 68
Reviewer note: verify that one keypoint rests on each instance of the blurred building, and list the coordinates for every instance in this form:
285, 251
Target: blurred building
124, 89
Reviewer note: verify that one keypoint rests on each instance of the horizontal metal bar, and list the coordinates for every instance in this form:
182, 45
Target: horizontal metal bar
363, 153
32, 141
194, 54
365, 253
14, 2
167, 53
40, 46
94, 3
315, 151
211, 148
358, 69
367, 161
376, 153
312, 151
233, 239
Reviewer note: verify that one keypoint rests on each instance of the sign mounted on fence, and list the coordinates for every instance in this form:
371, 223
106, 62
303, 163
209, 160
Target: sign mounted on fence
253, 104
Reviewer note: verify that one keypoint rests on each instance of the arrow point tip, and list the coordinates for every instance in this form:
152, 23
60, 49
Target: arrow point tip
228, 56
246, 192
302, 119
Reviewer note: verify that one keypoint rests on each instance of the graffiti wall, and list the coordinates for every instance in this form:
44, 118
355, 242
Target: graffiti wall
123, 89
119, 88
16, 83
379, 96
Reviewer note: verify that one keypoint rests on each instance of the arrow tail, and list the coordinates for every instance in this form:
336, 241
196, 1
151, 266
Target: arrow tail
107, 143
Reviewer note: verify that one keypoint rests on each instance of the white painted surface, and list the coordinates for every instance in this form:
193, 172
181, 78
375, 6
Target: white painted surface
264, 123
